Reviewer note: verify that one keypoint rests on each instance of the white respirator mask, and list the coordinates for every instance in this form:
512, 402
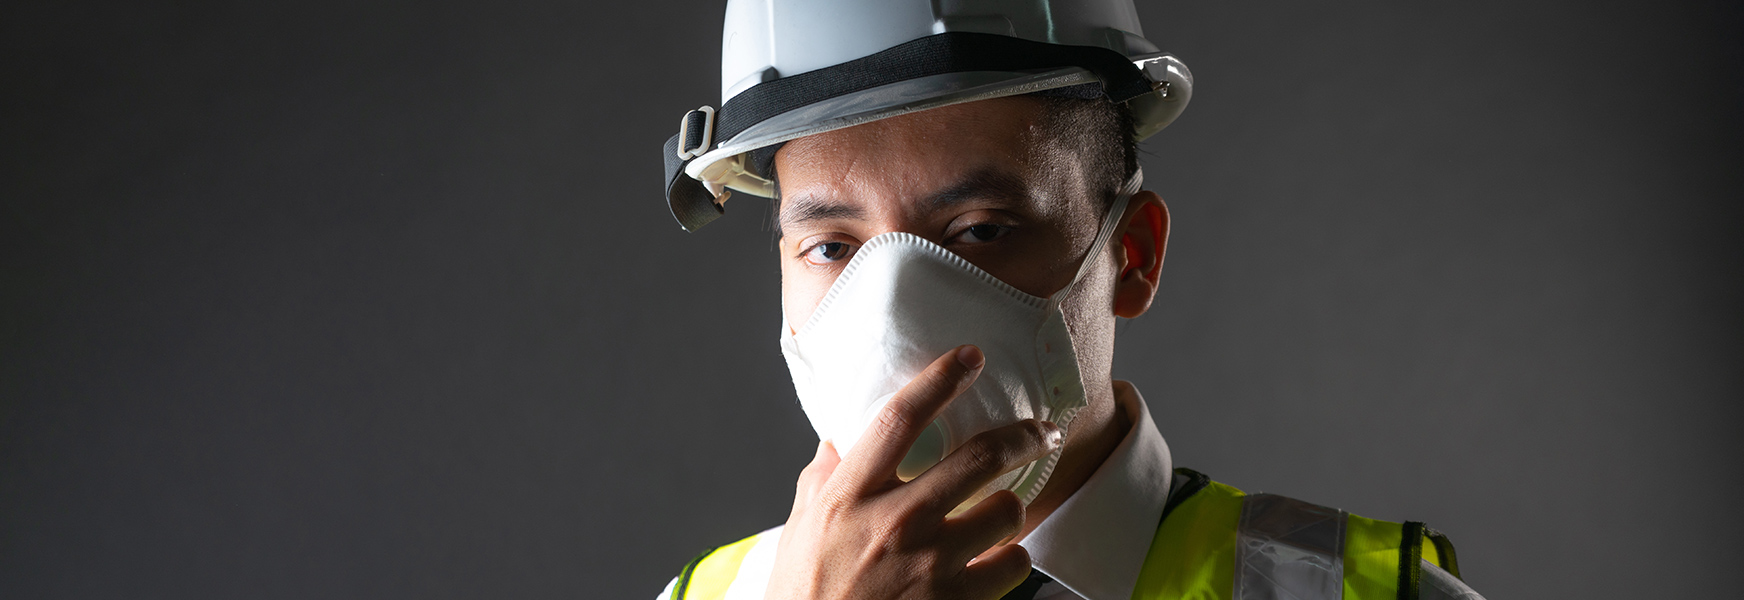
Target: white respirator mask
900, 304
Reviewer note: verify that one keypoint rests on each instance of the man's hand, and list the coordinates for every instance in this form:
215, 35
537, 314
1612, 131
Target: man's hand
857, 531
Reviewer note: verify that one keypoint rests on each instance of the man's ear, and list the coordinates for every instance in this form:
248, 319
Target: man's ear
1144, 238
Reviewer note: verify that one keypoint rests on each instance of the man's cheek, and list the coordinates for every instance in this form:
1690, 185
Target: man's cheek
799, 301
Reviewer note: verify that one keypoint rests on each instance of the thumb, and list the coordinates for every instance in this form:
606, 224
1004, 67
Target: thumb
812, 479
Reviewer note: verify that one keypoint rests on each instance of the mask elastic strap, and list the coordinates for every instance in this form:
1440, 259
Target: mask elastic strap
1110, 222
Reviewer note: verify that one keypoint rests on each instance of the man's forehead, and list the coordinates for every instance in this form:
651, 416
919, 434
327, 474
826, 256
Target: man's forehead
921, 161
996, 126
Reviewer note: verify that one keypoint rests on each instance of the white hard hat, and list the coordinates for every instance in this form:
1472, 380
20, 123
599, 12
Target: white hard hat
792, 68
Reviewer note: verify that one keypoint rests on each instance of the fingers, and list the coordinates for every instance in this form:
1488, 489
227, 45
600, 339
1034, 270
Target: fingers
997, 573
812, 478
994, 519
884, 444
981, 460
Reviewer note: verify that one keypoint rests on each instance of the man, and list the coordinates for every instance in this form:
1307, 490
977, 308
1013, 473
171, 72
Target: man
960, 223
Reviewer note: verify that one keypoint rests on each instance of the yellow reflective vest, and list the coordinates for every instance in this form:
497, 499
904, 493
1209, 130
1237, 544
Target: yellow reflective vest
1215, 542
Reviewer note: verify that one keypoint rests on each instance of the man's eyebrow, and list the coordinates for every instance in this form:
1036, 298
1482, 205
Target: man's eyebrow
812, 208
986, 183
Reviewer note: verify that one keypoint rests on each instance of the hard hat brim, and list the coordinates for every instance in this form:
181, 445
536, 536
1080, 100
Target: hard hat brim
882, 102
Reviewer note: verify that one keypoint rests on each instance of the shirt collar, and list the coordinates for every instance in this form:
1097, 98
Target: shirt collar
1096, 541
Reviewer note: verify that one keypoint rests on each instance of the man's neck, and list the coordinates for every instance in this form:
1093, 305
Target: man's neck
1091, 438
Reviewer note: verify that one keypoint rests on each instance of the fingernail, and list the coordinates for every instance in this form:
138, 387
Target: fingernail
971, 357
1052, 436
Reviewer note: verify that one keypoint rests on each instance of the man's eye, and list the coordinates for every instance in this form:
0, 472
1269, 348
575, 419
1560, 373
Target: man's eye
829, 252
985, 232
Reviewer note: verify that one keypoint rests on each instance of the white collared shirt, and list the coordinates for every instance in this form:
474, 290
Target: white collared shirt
1093, 545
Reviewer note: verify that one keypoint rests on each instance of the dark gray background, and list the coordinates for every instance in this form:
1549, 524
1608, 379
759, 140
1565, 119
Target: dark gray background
380, 300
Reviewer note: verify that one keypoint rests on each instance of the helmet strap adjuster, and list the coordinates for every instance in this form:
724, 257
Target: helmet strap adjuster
696, 132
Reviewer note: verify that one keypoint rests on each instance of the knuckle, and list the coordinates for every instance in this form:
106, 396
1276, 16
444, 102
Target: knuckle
1017, 563
885, 541
880, 548
897, 416
983, 456
888, 530
993, 451
1013, 562
1033, 432
933, 564
919, 391
833, 504
1005, 508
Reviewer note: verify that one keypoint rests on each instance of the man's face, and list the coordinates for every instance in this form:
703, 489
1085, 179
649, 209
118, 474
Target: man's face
979, 179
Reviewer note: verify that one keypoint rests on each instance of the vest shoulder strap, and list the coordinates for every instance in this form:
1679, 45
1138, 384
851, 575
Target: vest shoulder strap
1216, 542
1193, 553
708, 576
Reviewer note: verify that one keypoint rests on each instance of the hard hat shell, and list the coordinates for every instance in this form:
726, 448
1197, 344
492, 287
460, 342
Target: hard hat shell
792, 68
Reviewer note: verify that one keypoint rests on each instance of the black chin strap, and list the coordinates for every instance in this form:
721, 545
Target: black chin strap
953, 52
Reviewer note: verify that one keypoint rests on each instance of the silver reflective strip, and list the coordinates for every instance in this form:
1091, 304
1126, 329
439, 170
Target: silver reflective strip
1438, 584
1288, 549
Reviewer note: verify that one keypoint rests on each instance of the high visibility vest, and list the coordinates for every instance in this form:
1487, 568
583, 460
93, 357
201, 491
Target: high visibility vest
1217, 543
